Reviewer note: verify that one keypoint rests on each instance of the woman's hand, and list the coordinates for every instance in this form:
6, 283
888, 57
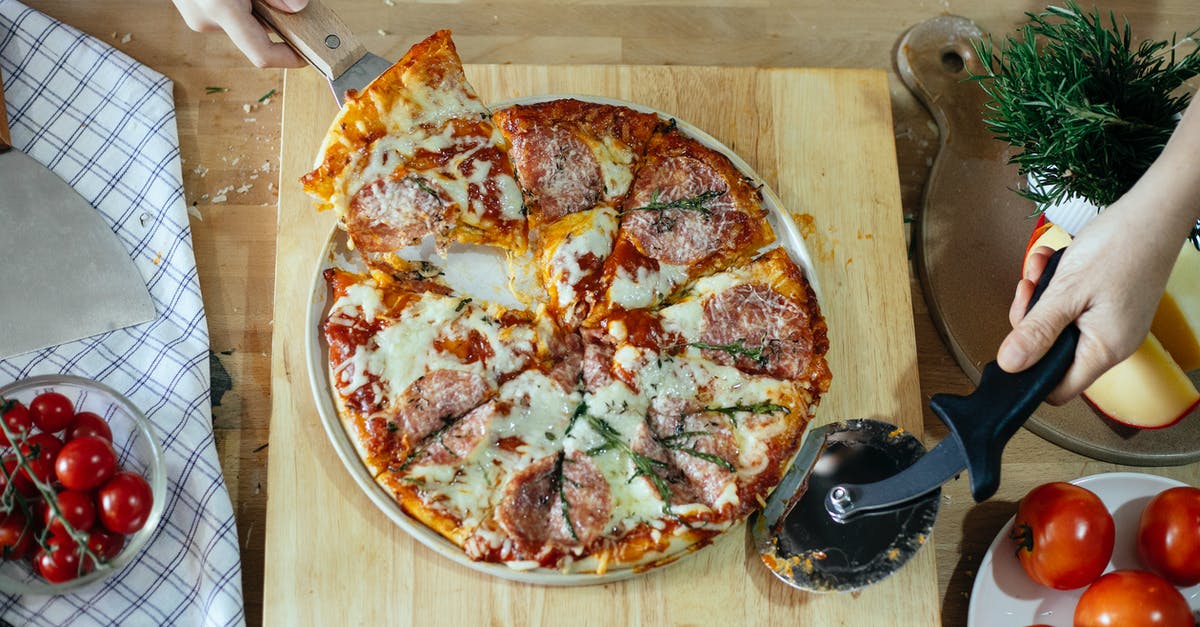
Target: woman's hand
235, 18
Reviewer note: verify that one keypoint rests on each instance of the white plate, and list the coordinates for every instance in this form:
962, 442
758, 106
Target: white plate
481, 273
1004, 596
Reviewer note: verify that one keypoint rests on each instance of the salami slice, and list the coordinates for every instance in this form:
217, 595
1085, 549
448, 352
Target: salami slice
392, 213
759, 319
558, 170
464, 436
435, 400
561, 500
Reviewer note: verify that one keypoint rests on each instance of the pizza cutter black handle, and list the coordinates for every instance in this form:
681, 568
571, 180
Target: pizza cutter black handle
984, 420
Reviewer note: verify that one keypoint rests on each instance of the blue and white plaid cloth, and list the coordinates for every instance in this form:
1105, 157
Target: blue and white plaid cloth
106, 125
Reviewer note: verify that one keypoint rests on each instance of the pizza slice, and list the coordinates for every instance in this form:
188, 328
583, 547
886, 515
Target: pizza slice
415, 154
761, 318
689, 212
408, 359
571, 155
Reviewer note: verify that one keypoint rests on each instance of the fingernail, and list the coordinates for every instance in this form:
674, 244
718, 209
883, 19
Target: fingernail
295, 5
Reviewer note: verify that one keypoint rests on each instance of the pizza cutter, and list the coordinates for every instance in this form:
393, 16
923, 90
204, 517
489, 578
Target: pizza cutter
861, 496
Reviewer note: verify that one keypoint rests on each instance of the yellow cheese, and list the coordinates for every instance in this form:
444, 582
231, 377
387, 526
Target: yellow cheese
1177, 320
1148, 390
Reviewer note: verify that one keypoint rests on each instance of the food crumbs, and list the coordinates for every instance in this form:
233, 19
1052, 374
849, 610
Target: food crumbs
893, 554
897, 432
246, 108
382, 33
126, 38
158, 258
806, 223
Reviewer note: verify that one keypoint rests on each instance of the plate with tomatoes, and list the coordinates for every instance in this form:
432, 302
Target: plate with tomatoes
1057, 571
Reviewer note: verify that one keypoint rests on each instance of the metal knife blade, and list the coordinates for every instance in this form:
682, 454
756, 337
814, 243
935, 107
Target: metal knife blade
327, 43
65, 275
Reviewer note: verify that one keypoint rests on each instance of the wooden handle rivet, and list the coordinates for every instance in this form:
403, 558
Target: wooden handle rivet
332, 42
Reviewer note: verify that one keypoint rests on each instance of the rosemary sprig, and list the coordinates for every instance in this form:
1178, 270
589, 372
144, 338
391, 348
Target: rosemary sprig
690, 203
215, 90
430, 440
424, 186
562, 495
757, 408
736, 349
462, 303
676, 442
580, 410
265, 96
643, 466
1089, 110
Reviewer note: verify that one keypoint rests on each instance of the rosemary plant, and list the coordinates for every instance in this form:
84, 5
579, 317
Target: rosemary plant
1088, 108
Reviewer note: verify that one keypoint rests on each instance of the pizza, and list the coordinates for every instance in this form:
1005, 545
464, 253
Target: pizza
644, 404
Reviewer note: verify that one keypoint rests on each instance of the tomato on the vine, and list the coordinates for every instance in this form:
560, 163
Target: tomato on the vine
51, 411
1064, 535
125, 502
16, 535
77, 509
1132, 598
1168, 536
87, 423
16, 417
15, 478
105, 544
61, 560
41, 449
85, 463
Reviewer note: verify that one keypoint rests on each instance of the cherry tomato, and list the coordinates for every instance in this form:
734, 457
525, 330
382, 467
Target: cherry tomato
87, 423
16, 535
1168, 537
51, 411
85, 463
20, 481
77, 509
60, 561
1064, 535
1132, 598
125, 502
16, 418
105, 544
41, 449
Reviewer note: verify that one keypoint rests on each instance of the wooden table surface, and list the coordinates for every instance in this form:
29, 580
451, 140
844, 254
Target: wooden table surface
230, 147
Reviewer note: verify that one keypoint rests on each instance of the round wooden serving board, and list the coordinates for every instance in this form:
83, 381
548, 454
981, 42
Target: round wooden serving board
970, 237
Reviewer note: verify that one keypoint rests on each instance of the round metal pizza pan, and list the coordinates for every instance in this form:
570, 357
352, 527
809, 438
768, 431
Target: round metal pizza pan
482, 272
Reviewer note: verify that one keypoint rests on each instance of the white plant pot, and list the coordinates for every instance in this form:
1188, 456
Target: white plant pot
1072, 214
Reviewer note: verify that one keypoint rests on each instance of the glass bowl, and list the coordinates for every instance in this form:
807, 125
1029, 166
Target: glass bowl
137, 451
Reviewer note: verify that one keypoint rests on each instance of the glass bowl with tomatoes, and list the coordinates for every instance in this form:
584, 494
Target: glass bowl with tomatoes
83, 483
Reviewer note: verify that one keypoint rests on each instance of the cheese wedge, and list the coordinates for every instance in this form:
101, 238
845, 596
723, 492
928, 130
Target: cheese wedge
1148, 390
1177, 320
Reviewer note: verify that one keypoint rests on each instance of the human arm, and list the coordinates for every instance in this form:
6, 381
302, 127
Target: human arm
1112, 276
247, 33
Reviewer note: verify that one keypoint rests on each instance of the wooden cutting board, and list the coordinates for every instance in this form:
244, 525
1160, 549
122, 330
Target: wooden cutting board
823, 140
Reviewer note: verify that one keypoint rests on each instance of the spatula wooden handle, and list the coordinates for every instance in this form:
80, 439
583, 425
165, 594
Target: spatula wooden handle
317, 33
5, 136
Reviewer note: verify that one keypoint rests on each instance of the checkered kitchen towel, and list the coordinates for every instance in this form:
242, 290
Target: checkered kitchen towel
106, 125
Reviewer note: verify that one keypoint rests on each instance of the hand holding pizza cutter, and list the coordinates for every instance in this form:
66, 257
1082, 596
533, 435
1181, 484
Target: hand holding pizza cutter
860, 497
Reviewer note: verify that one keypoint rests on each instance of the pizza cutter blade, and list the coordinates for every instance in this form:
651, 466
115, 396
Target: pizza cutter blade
861, 496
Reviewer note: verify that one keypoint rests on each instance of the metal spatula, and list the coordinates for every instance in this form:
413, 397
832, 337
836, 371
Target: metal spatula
63, 273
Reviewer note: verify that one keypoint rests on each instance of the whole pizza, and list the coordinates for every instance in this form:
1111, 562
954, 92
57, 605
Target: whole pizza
646, 400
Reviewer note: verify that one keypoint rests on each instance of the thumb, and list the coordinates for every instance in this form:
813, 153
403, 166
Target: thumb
1032, 336
291, 6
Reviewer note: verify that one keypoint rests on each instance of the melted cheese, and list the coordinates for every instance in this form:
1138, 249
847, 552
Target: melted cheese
648, 288
616, 164
595, 238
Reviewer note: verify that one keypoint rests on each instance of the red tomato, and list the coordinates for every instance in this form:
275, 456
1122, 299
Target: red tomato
1064, 535
125, 502
1132, 598
51, 411
21, 482
77, 509
42, 449
60, 561
16, 418
1168, 537
16, 535
87, 423
106, 545
85, 463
